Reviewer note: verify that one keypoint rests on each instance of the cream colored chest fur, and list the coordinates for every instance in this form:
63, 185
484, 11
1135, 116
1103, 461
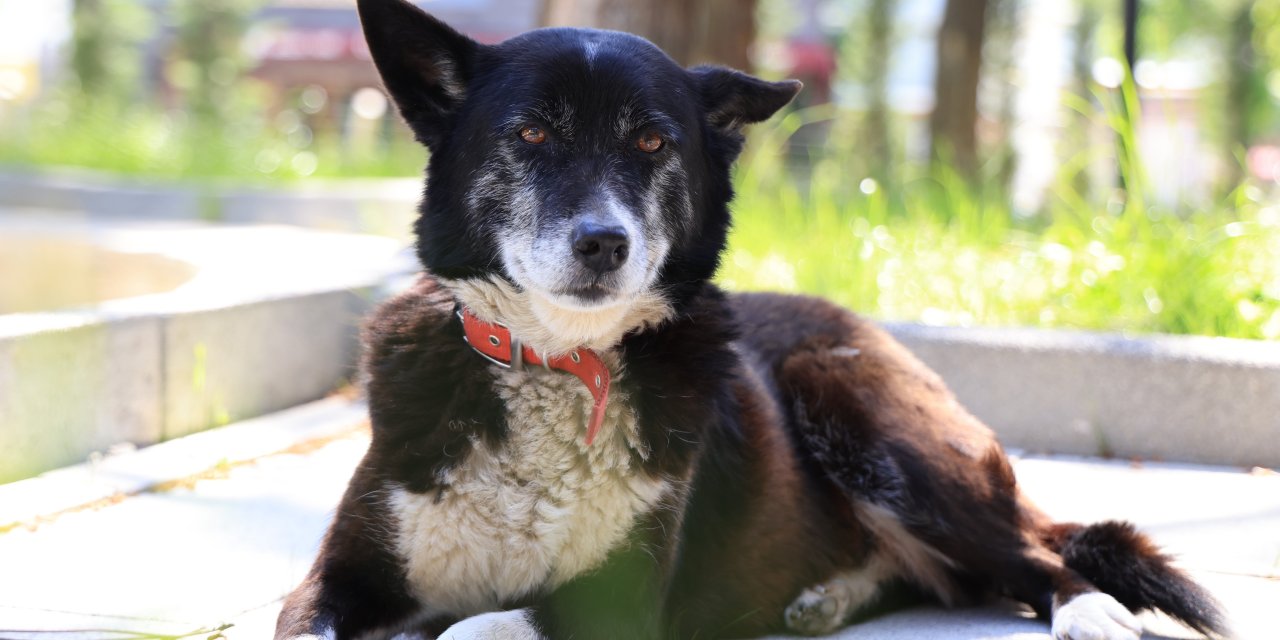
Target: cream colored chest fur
533, 513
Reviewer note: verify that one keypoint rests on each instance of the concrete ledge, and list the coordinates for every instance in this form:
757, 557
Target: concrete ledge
268, 321
1208, 400
384, 207
75, 389
231, 363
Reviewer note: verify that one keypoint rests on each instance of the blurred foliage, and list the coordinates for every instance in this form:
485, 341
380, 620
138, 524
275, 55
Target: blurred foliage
106, 48
863, 56
936, 249
213, 125
1239, 43
209, 61
151, 142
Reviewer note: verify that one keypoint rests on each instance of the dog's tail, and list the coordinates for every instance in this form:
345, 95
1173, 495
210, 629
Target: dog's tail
1127, 565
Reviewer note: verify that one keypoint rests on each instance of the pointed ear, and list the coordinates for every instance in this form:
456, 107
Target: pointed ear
733, 99
424, 63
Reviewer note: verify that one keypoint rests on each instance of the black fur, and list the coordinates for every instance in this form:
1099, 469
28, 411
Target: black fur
1124, 563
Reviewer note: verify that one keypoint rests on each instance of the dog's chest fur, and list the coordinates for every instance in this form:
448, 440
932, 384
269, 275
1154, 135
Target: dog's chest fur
531, 512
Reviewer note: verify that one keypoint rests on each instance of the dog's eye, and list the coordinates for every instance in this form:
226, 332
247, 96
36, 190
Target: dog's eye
533, 135
650, 142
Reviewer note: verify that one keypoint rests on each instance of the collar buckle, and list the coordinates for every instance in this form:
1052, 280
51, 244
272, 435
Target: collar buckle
517, 350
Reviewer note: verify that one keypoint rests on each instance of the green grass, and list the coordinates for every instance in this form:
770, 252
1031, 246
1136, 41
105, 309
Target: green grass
927, 248
939, 251
147, 142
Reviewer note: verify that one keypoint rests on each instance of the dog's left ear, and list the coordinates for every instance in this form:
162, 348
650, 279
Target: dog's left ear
423, 62
733, 99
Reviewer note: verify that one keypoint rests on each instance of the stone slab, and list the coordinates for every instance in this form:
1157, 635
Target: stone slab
1209, 400
204, 555
38, 624
130, 472
227, 550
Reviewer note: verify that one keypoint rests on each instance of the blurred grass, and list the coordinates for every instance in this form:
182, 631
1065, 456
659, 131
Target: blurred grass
938, 250
930, 247
142, 140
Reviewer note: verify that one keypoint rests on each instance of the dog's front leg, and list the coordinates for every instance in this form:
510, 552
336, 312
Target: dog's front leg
356, 587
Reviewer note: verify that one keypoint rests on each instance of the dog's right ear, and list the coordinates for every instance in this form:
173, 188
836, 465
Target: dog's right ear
733, 99
424, 63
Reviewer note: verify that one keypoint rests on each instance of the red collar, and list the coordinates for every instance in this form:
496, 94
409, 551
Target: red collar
495, 343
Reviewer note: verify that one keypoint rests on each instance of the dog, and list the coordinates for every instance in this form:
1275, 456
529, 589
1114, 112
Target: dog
577, 435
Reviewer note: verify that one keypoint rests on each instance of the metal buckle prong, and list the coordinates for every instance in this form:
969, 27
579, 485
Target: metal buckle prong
492, 359
517, 354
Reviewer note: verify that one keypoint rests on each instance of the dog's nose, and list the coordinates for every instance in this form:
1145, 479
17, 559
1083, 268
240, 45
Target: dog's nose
601, 248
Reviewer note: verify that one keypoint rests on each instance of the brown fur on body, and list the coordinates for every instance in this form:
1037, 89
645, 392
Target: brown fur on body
886, 431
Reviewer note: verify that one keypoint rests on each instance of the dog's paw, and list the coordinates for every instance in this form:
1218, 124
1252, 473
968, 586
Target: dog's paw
1095, 616
500, 625
818, 611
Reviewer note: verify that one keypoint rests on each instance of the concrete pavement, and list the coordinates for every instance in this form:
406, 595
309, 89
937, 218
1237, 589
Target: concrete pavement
233, 530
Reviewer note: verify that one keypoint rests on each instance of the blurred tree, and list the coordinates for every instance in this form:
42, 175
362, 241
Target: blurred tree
1265, 58
1000, 85
1077, 141
955, 111
106, 58
1240, 109
864, 136
210, 58
1246, 91
690, 31
877, 126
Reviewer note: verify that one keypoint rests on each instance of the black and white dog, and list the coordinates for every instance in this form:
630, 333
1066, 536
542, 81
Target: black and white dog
576, 435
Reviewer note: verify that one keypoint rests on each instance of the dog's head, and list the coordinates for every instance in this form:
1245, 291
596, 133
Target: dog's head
578, 184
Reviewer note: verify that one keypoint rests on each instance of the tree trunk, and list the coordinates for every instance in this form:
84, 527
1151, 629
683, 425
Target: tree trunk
955, 112
209, 37
876, 126
106, 59
1080, 127
691, 32
88, 50
1242, 93
1002, 63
